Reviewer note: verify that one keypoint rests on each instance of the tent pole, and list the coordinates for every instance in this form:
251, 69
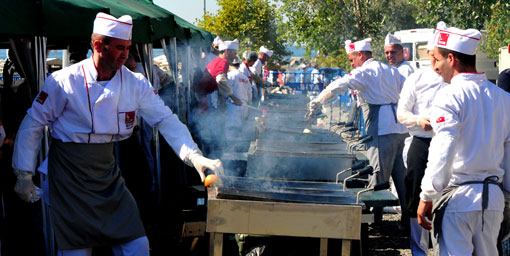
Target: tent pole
149, 67
40, 55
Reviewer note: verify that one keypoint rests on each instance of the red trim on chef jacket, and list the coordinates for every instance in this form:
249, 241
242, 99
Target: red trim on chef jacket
123, 22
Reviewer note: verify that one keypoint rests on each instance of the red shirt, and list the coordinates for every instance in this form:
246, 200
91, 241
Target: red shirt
207, 83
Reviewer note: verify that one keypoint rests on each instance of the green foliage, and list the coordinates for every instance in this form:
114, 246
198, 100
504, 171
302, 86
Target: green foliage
490, 15
498, 28
324, 25
253, 22
462, 14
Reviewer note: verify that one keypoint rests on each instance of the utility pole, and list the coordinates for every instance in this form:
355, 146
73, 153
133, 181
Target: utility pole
204, 7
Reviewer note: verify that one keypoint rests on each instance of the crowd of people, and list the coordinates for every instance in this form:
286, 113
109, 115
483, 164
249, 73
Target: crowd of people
458, 151
441, 133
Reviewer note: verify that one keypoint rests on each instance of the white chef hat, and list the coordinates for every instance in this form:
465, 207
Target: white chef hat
266, 51
108, 25
391, 39
363, 45
455, 39
217, 40
231, 45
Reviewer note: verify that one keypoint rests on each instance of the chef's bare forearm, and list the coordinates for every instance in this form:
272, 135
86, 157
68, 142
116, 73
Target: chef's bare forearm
223, 87
258, 79
407, 118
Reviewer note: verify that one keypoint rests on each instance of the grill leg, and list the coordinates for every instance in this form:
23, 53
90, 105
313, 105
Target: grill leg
216, 244
346, 247
324, 247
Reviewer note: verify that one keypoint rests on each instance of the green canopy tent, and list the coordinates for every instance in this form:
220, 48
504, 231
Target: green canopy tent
197, 37
74, 18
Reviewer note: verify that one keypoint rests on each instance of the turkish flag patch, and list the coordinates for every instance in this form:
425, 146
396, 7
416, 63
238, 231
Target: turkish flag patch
443, 39
130, 119
42, 97
351, 47
440, 120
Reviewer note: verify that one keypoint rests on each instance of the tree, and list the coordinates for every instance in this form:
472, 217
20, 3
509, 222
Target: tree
490, 15
498, 29
462, 14
253, 22
324, 25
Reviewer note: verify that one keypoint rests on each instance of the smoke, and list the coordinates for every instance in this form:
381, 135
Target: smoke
279, 149
269, 143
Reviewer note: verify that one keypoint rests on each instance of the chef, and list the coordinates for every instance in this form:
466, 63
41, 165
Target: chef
212, 98
215, 75
469, 153
213, 54
88, 107
394, 53
257, 69
420, 88
236, 115
379, 86
250, 57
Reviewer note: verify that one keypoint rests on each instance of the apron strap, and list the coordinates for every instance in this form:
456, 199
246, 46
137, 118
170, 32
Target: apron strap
485, 192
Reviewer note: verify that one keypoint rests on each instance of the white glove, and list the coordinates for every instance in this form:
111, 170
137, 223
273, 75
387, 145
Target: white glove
314, 108
2, 135
25, 186
202, 163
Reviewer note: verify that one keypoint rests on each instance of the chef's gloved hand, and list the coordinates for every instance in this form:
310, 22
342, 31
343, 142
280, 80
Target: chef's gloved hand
202, 163
2, 134
24, 187
314, 108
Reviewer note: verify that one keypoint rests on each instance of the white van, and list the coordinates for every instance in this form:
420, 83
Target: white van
414, 42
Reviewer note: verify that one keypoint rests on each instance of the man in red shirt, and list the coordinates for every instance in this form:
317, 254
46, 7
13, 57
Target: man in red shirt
215, 76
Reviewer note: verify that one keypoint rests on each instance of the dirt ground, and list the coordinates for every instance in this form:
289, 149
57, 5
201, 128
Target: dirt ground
386, 239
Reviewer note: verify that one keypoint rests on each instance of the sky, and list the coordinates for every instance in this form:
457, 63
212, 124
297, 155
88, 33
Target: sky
189, 10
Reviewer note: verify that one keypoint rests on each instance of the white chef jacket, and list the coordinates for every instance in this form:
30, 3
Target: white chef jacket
377, 84
316, 76
420, 89
240, 85
257, 68
207, 59
243, 68
471, 120
235, 115
405, 69
79, 109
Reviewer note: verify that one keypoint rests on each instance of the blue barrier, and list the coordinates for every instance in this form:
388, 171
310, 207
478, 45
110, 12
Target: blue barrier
306, 86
